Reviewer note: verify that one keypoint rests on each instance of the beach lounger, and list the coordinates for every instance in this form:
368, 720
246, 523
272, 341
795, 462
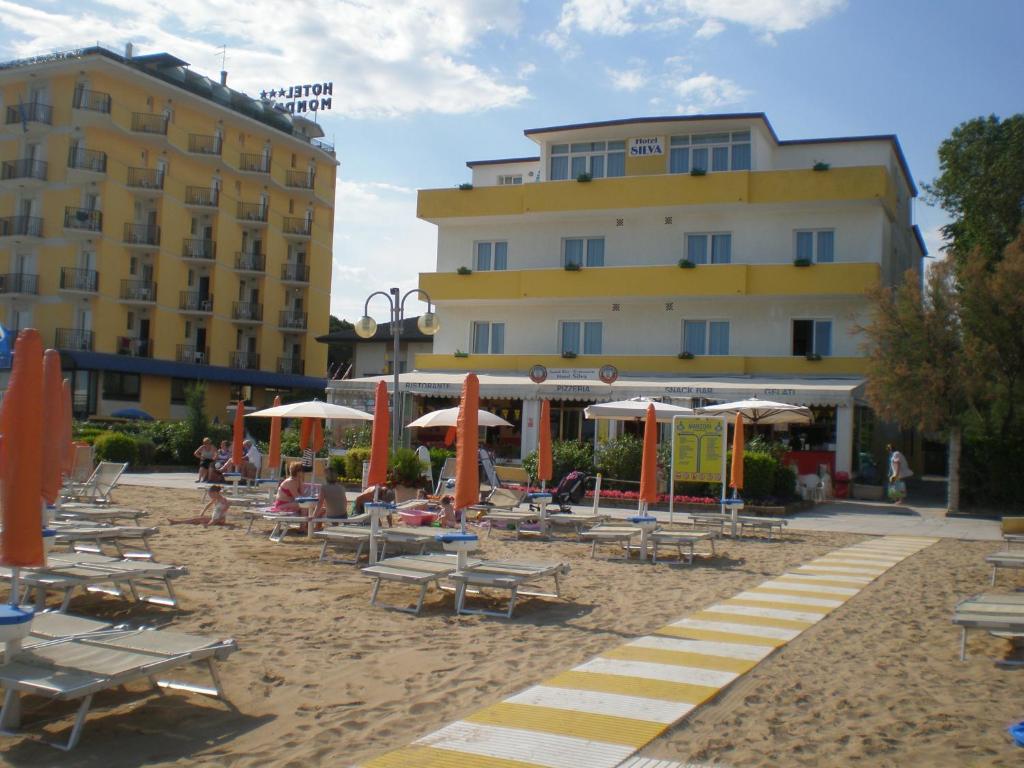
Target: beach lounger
507, 575
995, 613
502, 519
762, 524
419, 571
578, 522
344, 537
997, 560
80, 666
618, 535
415, 541
711, 521
680, 539
128, 541
98, 487
98, 513
51, 625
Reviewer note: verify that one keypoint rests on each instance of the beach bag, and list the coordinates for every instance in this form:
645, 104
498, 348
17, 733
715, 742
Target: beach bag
897, 490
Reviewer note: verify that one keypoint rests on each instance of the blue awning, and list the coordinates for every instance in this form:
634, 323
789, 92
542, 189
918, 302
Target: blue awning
100, 361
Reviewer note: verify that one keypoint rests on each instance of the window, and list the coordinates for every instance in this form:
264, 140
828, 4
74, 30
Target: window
812, 337
491, 255
706, 337
816, 245
713, 248
507, 180
488, 338
121, 386
709, 152
178, 390
583, 251
598, 158
569, 337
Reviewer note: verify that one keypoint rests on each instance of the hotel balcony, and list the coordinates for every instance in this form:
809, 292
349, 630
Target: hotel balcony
202, 197
83, 221
300, 180
247, 360
254, 162
146, 180
292, 321
247, 312
127, 345
86, 164
197, 249
149, 123
138, 292
19, 283
143, 236
252, 213
73, 280
201, 144
296, 228
26, 172
21, 226
73, 338
189, 353
295, 273
293, 365
195, 303
91, 101
28, 118
254, 263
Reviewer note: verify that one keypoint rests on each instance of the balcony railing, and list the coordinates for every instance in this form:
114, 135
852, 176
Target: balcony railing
25, 168
146, 178
96, 101
147, 122
293, 225
250, 360
87, 159
202, 144
73, 338
197, 248
250, 262
142, 234
294, 365
252, 212
126, 345
293, 319
189, 353
19, 282
138, 290
247, 310
25, 226
295, 273
299, 179
256, 162
195, 301
83, 218
30, 113
204, 196
324, 145
84, 280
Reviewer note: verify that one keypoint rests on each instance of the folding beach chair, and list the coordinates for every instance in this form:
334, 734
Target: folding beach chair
98, 487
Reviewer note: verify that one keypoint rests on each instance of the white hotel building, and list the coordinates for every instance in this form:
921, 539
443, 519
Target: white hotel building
701, 257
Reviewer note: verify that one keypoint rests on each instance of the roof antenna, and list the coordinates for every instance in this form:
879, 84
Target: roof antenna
223, 65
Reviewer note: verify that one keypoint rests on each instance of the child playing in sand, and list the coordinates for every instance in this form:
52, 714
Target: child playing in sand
218, 516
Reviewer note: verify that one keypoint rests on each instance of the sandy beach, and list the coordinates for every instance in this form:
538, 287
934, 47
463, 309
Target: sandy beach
323, 678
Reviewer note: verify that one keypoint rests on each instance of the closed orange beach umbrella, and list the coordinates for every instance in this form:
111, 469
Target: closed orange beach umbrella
736, 469
544, 470
274, 449
53, 427
238, 435
67, 462
316, 441
305, 433
467, 476
649, 464
21, 455
378, 473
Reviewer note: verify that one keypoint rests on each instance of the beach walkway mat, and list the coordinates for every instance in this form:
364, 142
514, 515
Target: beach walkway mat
601, 713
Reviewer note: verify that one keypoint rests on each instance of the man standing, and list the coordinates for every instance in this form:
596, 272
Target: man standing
899, 471
252, 462
427, 473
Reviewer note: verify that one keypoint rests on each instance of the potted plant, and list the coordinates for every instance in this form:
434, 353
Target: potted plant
572, 266
406, 472
813, 357
802, 262
686, 355
583, 178
460, 353
686, 264
820, 166
698, 172
464, 271
465, 186
569, 355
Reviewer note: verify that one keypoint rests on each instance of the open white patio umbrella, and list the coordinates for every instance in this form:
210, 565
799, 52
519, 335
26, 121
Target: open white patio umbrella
312, 409
448, 417
757, 411
635, 408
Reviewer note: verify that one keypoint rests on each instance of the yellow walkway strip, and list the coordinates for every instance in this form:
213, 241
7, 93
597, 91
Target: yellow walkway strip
431, 757
582, 725
781, 606
722, 637
756, 621
682, 658
634, 686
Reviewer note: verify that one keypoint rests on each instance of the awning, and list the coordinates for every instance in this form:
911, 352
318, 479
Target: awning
799, 391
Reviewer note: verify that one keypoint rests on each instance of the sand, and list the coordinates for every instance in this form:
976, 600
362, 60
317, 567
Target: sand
323, 678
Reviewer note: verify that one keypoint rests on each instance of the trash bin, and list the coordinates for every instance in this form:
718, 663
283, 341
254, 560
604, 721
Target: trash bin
842, 484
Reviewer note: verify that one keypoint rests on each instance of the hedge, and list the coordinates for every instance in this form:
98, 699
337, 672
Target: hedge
114, 446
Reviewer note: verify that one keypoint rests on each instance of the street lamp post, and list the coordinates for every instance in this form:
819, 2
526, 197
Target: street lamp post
367, 327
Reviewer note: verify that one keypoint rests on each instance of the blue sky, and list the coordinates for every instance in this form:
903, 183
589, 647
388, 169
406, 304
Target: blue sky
421, 86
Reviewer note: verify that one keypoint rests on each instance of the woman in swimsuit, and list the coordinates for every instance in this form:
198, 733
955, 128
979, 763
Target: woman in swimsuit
289, 490
206, 453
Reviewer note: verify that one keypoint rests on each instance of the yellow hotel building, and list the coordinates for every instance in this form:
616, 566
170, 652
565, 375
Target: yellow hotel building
695, 258
159, 228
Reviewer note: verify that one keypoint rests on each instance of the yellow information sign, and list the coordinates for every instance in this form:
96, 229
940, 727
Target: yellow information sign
697, 449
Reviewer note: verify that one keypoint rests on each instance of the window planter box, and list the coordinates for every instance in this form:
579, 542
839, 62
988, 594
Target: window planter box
573, 267
686, 264
814, 357
461, 354
802, 262
584, 178
569, 355
821, 166
465, 187
464, 271
698, 172
685, 355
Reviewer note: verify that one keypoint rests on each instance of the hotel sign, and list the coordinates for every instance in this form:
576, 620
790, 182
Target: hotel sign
308, 97
649, 145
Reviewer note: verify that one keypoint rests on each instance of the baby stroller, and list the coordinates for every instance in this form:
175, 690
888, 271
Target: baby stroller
569, 491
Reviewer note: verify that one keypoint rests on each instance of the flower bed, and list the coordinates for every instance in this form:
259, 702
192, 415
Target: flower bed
634, 496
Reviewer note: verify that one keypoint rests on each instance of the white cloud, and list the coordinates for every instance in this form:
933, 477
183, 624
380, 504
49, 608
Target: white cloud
526, 70
705, 93
632, 79
709, 29
386, 58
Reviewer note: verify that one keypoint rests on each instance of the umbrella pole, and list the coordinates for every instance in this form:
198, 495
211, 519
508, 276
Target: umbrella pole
597, 491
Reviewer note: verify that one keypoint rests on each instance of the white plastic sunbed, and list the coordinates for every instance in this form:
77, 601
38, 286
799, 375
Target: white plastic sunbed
98, 487
131, 541
996, 613
418, 570
98, 513
1011, 560
77, 667
619, 535
507, 575
680, 539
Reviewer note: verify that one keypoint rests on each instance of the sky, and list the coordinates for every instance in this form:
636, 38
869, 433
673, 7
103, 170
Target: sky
422, 86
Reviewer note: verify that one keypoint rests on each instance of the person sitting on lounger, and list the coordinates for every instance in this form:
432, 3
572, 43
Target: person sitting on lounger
448, 517
289, 490
383, 493
333, 502
217, 507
